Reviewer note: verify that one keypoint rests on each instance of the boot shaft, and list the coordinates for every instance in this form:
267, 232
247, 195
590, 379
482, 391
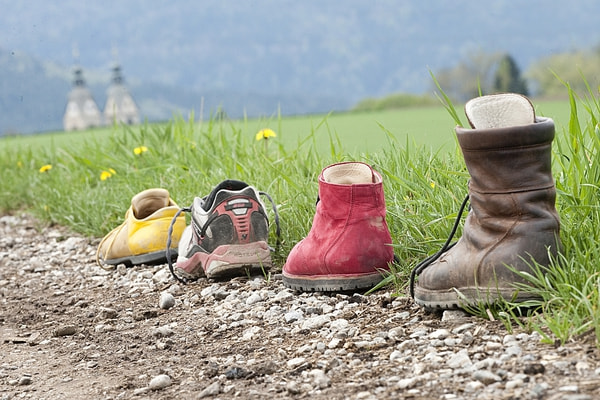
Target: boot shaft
351, 191
511, 187
507, 160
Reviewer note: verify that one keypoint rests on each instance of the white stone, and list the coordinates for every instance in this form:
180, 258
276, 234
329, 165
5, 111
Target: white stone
395, 355
293, 316
473, 386
251, 332
459, 360
161, 276
569, 388
160, 382
316, 322
296, 362
253, 299
454, 315
339, 324
439, 334
211, 390
166, 301
486, 377
406, 383
514, 351
513, 384
320, 379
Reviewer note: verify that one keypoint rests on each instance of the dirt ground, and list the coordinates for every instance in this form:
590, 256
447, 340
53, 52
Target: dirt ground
70, 330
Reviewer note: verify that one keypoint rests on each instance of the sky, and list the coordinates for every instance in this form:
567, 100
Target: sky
172, 42
257, 56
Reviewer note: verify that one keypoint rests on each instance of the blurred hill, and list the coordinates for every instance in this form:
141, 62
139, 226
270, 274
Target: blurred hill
254, 57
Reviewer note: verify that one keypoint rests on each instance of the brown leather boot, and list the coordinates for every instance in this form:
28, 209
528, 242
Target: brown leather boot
512, 220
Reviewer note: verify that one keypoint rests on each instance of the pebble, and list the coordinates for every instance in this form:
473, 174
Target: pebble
320, 379
296, 362
166, 301
396, 355
316, 322
283, 343
473, 386
160, 382
211, 390
108, 313
162, 331
439, 334
293, 316
454, 315
459, 360
514, 351
253, 299
515, 383
582, 367
66, 330
25, 380
486, 377
397, 334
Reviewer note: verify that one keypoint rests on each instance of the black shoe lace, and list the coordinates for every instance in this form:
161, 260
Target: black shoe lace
189, 209
169, 240
447, 246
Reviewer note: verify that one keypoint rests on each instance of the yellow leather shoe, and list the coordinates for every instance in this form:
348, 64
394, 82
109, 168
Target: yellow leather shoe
142, 238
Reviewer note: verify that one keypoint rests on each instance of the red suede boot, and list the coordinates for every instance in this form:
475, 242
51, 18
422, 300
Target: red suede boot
349, 243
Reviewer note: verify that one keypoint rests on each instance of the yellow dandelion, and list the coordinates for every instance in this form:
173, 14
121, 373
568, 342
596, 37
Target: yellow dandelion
104, 175
139, 150
45, 168
432, 184
265, 134
19, 164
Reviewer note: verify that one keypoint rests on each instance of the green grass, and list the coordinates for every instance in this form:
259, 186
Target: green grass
425, 180
356, 132
431, 127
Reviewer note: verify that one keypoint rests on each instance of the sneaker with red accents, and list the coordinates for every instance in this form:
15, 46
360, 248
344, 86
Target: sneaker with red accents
228, 234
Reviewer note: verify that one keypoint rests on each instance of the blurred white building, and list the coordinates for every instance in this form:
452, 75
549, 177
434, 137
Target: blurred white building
120, 106
82, 111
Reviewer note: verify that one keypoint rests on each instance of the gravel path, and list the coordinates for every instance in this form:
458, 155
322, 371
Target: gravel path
70, 330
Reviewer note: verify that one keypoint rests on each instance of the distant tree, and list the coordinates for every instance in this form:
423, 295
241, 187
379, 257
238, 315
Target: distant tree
508, 78
470, 77
547, 76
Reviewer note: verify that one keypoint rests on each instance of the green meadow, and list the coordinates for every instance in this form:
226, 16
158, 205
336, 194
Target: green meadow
431, 127
85, 180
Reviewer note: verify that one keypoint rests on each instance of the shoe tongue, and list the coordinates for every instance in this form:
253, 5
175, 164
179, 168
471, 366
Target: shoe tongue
149, 201
499, 111
229, 184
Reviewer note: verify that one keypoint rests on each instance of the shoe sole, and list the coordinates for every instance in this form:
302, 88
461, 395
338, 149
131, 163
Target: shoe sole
154, 258
227, 261
469, 297
331, 283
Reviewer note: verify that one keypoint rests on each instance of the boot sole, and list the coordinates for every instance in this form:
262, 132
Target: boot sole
331, 283
154, 258
227, 261
473, 297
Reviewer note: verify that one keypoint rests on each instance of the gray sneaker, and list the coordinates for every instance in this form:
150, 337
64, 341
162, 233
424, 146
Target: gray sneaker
228, 234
